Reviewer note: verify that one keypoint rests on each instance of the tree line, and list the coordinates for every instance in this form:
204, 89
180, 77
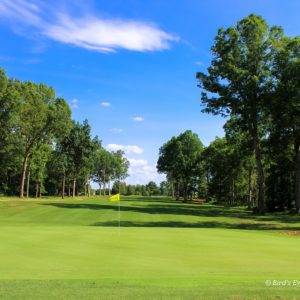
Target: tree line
254, 82
43, 151
149, 189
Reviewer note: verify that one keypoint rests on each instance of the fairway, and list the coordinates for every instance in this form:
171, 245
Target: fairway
73, 249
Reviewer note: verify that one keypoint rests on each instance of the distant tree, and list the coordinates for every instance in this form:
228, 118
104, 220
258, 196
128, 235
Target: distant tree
152, 188
138, 189
103, 168
130, 189
120, 166
57, 172
180, 159
165, 188
167, 162
119, 187
38, 163
79, 148
90, 162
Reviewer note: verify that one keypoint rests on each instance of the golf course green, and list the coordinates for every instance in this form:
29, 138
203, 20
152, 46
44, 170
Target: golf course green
73, 249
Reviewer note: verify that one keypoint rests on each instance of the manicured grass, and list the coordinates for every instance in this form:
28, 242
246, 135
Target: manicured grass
73, 249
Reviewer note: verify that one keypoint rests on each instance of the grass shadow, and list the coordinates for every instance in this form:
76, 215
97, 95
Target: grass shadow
204, 224
242, 219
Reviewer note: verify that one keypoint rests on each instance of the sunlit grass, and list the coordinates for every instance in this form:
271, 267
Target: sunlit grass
73, 249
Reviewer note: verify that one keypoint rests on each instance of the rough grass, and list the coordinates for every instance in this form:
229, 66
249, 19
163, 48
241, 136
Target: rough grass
73, 249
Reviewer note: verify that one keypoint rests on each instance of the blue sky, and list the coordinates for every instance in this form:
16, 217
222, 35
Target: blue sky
128, 66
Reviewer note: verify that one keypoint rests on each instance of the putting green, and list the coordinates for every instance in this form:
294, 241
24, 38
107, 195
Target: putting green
73, 249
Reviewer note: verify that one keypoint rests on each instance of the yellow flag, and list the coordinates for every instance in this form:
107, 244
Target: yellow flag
115, 197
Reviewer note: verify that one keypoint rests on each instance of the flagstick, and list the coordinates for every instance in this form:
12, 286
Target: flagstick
119, 212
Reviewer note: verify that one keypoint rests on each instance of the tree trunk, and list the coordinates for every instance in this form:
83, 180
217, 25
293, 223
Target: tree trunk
104, 184
173, 192
177, 191
36, 190
63, 187
260, 178
185, 194
74, 187
69, 189
109, 192
24, 167
88, 187
28, 184
40, 190
233, 192
250, 189
259, 167
297, 179
100, 191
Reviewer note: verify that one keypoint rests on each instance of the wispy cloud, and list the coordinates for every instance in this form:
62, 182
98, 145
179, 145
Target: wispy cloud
32, 61
22, 11
88, 31
199, 63
6, 58
128, 149
116, 130
105, 104
74, 103
26, 61
138, 119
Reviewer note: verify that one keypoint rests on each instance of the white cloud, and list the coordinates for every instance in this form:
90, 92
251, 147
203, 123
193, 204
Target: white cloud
89, 31
105, 104
138, 119
116, 130
141, 172
126, 148
74, 103
137, 162
22, 11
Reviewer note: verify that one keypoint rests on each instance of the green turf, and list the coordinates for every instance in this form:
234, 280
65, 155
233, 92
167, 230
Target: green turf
72, 249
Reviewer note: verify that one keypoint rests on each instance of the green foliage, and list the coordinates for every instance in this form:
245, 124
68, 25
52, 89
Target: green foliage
152, 188
180, 159
38, 163
120, 165
284, 110
110, 166
11, 143
226, 171
254, 81
39, 141
119, 187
